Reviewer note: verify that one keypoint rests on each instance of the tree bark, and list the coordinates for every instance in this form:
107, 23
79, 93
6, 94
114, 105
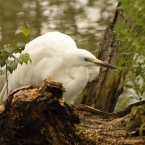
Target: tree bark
103, 92
36, 115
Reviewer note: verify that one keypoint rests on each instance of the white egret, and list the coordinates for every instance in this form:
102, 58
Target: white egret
55, 54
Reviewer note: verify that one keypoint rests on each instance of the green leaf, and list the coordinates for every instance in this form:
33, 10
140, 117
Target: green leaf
2, 62
134, 109
141, 129
18, 31
13, 65
17, 50
21, 45
19, 60
128, 86
122, 83
143, 107
8, 61
9, 50
10, 69
26, 31
142, 90
138, 70
25, 58
125, 101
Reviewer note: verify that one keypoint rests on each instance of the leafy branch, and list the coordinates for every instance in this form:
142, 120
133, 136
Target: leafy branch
9, 59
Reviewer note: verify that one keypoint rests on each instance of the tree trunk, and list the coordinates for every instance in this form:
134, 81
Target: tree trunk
36, 115
103, 92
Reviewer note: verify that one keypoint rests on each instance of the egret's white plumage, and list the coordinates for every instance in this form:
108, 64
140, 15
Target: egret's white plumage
55, 54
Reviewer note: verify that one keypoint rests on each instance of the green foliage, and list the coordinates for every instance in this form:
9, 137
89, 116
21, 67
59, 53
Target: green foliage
134, 110
141, 129
7, 54
9, 59
131, 32
25, 31
25, 57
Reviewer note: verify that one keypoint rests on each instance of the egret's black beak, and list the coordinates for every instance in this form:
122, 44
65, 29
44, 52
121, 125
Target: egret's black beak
103, 64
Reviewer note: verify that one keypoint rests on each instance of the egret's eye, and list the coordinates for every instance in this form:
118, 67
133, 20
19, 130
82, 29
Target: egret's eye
86, 59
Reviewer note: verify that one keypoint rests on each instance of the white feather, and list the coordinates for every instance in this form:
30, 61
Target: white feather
55, 54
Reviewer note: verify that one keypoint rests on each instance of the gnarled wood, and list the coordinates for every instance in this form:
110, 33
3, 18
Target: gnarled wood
36, 115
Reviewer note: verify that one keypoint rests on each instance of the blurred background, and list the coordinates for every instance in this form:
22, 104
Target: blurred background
84, 20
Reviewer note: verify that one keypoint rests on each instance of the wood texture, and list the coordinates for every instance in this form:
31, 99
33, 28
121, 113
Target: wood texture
36, 115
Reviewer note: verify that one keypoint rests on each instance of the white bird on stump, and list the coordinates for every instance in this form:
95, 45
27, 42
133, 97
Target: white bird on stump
56, 54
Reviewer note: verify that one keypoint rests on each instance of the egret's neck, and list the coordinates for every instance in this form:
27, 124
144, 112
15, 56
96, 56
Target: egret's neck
79, 79
77, 72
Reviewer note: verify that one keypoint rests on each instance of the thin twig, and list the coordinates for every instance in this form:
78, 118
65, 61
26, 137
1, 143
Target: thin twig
7, 78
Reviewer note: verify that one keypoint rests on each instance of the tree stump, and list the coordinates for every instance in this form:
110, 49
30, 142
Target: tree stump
34, 115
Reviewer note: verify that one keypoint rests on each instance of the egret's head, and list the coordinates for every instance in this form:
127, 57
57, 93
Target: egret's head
81, 57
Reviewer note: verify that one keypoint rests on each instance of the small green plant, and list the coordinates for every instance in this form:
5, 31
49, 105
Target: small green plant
131, 33
134, 111
8, 55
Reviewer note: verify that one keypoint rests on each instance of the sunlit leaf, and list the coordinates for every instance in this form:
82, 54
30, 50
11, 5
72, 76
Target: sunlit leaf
18, 31
134, 109
26, 31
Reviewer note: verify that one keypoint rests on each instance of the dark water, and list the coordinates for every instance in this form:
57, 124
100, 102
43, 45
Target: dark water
84, 20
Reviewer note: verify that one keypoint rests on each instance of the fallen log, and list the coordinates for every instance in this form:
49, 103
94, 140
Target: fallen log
35, 115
